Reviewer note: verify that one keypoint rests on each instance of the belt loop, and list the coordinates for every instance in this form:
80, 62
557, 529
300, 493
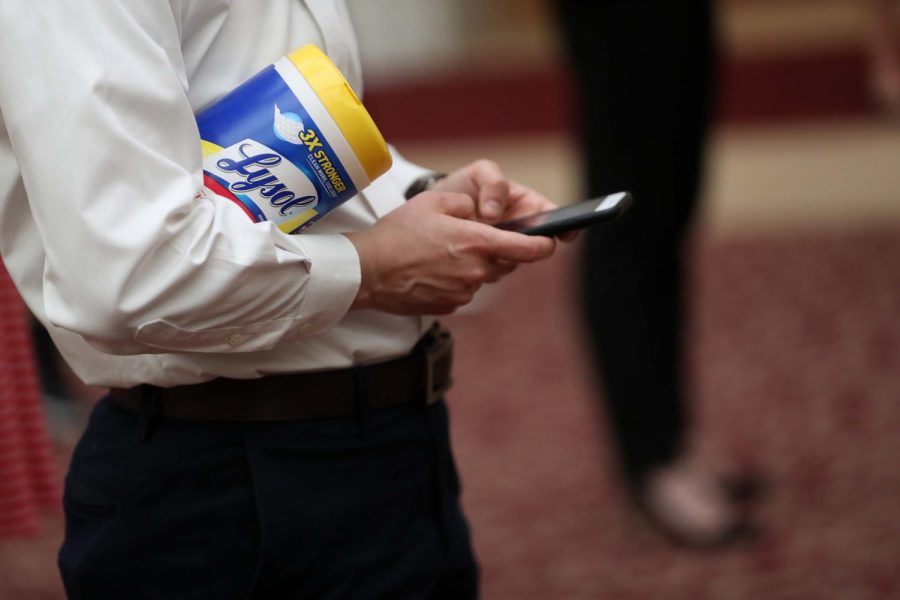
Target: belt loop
437, 352
361, 398
149, 411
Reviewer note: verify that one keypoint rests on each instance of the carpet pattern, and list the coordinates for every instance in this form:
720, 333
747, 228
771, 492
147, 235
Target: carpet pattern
796, 368
795, 360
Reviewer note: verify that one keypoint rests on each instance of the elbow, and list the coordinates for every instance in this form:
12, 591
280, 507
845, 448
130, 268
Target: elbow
105, 334
112, 331
96, 319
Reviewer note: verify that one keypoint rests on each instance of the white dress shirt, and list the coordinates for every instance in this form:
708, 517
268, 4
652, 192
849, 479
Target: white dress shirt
100, 162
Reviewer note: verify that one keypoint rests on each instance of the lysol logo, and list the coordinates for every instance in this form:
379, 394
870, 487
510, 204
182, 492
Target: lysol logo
252, 168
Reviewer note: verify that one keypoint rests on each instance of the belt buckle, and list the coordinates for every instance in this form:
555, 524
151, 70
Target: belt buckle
438, 348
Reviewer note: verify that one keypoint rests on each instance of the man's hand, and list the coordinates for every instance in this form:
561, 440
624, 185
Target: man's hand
498, 198
430, 255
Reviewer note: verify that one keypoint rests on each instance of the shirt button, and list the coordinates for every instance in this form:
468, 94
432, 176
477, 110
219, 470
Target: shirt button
235, 340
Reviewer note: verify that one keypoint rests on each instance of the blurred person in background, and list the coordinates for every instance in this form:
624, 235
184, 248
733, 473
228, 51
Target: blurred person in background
275, 426
884, 58
645, 72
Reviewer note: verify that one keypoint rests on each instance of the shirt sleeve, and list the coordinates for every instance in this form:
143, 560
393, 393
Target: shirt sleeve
94, 97
404, 172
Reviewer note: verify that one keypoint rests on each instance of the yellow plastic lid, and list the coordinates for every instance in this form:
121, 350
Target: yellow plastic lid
345, 108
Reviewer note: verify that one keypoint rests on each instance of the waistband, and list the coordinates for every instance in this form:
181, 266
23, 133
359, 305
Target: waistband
422, 376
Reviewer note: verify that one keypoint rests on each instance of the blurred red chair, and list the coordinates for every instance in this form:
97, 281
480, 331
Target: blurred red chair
29, 480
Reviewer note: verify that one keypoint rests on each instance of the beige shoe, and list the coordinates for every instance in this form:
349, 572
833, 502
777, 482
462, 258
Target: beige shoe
690, 505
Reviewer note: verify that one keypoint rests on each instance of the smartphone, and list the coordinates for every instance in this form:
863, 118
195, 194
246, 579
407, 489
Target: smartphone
572, 217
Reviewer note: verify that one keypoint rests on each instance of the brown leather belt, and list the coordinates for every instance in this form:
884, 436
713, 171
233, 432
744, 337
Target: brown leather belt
422, 376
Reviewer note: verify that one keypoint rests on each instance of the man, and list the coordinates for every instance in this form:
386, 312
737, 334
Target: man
275, 428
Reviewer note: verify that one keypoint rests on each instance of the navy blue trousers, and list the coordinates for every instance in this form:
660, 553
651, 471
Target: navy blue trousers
331, 508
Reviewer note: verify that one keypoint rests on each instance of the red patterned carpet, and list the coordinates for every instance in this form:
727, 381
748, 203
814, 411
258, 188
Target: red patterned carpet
796, 364
796, 358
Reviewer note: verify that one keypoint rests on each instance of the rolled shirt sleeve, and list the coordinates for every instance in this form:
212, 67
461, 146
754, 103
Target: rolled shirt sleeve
137, 260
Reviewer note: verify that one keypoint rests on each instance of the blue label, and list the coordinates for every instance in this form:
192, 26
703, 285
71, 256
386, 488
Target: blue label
271, 156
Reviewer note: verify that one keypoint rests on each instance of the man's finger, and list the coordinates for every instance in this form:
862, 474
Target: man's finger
493, 190
461, 206
569, 236
500, 268
511, 246
528, 201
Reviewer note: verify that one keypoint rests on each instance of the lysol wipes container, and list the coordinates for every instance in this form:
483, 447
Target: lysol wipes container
292, 143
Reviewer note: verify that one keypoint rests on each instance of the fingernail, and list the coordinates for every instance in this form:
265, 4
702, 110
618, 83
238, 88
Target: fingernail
491, 208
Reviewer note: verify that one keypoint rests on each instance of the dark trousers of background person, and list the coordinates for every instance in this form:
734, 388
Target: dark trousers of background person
352, 508
644, 69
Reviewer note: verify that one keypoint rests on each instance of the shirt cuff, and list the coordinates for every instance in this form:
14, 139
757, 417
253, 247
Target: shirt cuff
334, 280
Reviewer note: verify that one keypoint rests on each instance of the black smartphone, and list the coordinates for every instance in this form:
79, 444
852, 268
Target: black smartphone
572, 217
